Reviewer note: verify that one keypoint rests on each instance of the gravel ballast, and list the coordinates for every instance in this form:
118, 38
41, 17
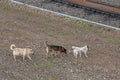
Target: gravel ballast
73, 11
115, 3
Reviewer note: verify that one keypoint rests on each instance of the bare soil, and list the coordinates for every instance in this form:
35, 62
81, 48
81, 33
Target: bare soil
27, 27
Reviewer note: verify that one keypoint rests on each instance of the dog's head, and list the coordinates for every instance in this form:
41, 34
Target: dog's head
31, 52
64, 50
87, 47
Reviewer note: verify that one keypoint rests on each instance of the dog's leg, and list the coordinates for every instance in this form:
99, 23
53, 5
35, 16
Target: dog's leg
59, 54
14, 57
55, 53
47, 51
24, 54
80, 54
76, 54
23, 57
86, 54
29, 57
46, 54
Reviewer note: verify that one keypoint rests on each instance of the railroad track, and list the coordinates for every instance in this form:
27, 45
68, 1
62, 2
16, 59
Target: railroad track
93, 6
72, 12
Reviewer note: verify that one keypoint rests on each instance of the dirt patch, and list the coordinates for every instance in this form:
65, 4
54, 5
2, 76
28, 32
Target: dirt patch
29, 28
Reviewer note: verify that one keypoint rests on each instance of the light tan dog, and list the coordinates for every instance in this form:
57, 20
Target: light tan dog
21, 52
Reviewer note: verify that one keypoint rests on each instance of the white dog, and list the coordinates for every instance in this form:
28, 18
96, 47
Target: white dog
79, 50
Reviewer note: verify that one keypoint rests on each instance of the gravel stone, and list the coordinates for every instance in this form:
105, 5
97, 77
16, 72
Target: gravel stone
115, 3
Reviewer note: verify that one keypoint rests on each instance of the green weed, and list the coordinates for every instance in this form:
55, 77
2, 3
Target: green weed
79, 69
116, 42
54, 79
42, 65
89, 74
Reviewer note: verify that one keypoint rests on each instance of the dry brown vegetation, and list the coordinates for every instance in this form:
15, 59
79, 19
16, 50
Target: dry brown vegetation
27, 27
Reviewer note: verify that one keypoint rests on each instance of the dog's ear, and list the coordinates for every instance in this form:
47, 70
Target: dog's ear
88, 47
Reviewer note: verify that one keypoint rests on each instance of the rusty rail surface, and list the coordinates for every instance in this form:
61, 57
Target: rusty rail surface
94, 5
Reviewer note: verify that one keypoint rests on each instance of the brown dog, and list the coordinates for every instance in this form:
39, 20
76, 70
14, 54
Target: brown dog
21, 52
54, 48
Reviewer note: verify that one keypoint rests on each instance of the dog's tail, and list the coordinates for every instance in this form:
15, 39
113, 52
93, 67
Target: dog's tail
12, 46
45, 43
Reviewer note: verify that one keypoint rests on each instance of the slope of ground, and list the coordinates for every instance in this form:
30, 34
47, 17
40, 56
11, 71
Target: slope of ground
29, 28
